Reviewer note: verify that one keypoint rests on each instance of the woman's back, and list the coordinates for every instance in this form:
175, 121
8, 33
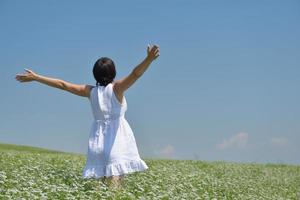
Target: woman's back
112, 147
105, 104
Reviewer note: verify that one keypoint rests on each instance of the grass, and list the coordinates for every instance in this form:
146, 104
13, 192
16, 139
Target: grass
36, 173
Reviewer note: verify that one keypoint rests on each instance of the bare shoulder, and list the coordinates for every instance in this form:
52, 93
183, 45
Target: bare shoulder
88, 89
119, 94
116, 85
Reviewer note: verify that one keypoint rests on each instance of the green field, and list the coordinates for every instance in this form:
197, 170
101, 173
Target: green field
35, 173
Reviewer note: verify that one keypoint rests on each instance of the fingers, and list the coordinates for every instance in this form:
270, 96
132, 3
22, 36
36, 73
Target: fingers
25, 77
19, 78
150, 48
23, 80
22, 75
27, 70
153, 51
153, 47
156, 52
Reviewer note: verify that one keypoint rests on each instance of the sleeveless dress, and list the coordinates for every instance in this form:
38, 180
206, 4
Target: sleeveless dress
112, 149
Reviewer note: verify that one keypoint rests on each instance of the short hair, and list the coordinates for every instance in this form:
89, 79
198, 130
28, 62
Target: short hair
104, 71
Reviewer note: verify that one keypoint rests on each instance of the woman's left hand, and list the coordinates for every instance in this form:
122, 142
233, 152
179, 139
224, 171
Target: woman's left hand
26, 77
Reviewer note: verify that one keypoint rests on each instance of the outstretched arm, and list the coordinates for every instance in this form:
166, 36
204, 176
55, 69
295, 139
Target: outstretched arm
120, 86
81, 90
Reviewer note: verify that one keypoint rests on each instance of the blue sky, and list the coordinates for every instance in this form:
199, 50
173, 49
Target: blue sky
225, 87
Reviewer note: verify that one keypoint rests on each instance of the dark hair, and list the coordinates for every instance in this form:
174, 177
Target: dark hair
104, 71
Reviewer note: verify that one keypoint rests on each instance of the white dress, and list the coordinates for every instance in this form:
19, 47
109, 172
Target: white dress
112, 148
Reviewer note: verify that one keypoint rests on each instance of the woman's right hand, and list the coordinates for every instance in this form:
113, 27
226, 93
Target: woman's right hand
152, 52
26, 77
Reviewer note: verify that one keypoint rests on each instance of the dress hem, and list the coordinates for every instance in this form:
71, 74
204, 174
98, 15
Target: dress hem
115, 169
